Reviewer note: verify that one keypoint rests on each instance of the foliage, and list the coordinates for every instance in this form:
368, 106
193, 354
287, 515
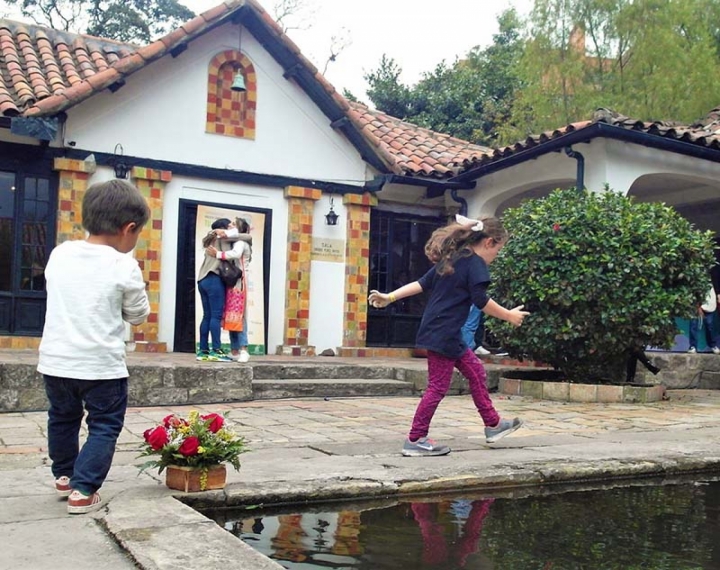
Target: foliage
467, 99
602, 276
132, 21
198, 441
648, 59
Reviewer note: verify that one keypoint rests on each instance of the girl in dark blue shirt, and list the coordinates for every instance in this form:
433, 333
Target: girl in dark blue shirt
462, 252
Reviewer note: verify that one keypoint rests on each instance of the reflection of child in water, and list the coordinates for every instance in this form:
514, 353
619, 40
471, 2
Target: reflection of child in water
435, 547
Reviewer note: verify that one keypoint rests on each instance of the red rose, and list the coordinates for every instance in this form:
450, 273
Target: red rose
214, 422
172, 421
156, 437
189, 446
556, 227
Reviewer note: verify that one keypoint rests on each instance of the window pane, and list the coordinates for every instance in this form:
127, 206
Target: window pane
43, 189
6, 246
34, 239
30, 188
7, 194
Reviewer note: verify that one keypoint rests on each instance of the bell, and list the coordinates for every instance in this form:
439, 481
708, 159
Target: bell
238, 83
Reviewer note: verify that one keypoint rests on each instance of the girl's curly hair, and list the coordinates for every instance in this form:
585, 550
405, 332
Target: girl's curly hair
449, 243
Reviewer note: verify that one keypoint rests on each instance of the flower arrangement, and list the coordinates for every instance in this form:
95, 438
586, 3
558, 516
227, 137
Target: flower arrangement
200, 441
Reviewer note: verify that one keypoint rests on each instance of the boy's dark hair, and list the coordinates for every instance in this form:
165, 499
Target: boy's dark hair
108, 206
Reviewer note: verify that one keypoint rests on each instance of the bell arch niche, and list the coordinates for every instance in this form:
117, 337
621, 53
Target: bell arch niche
231, 113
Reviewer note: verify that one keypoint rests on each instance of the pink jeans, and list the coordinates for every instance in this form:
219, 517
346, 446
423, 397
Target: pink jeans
440, 370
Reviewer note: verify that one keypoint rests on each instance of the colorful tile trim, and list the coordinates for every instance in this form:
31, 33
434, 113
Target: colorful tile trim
74, 177
357, 268
152, 184
231, 113
300, 192
20, 342
301, 204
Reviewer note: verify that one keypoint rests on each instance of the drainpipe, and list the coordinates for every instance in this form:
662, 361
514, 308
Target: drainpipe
580, 182
459, 200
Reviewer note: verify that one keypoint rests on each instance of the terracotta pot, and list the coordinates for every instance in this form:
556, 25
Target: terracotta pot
194, 479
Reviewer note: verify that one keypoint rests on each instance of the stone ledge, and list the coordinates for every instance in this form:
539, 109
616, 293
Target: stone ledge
586, 393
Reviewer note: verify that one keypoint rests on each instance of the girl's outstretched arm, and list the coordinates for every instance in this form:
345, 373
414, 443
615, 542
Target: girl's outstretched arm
514, 316
380, 300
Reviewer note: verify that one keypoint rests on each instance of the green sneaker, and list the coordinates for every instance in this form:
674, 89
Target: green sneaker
202, 355
219, 355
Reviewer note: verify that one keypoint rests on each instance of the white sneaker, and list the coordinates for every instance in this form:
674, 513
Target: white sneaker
244, 356
692, 350
481, 351
716, 350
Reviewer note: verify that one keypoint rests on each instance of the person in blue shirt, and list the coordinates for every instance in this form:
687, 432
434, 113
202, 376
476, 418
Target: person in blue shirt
462, 252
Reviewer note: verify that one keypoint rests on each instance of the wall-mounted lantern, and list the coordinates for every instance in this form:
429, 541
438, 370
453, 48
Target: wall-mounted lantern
118, 163
331, 218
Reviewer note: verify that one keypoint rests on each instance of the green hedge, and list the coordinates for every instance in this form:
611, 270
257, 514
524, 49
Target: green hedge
602, 275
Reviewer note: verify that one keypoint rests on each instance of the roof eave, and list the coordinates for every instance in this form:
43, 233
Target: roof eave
584, 135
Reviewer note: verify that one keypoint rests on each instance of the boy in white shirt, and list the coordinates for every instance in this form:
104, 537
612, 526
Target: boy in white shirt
92, 287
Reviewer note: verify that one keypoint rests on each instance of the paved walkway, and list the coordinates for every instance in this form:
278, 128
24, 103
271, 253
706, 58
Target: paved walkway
317, 448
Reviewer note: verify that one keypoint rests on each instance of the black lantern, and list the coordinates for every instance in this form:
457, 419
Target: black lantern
119, 165
331, 218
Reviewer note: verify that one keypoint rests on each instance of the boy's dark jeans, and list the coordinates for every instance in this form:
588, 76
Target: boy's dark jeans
105, 402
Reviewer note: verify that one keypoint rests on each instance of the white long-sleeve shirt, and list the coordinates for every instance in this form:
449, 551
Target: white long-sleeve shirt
91, 290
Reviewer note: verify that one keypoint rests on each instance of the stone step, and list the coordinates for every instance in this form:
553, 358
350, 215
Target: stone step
272, 389
329, 370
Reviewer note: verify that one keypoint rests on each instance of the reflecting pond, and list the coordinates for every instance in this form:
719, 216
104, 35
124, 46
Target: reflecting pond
649, 525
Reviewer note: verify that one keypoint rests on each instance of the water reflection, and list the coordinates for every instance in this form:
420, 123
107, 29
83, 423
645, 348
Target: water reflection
468, 516
660, 527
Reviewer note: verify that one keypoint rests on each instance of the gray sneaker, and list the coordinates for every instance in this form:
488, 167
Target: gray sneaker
505, 427
422, 447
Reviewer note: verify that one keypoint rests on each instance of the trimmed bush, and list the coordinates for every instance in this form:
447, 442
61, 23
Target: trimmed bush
602, 276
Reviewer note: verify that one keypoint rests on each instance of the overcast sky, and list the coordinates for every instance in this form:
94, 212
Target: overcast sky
417, 34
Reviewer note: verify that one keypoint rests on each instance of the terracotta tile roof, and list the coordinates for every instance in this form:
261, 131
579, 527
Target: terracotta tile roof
413, 150
38, 63
44, 72
705, 133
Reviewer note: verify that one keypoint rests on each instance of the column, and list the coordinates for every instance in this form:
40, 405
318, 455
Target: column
152, 184
301, 204
74, 177
357, 272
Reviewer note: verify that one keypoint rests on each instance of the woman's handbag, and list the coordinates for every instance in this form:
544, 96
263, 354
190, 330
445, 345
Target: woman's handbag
229, 273
234, 309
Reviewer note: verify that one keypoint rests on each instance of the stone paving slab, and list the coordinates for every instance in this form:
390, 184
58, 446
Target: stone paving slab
317, 449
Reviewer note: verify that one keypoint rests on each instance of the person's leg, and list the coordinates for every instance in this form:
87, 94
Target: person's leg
642, 357
440, 369
216, 297
480, 331
473, 369
205, 322
716, 335
708, 324
235, 343
105, 402
243, 340
64, 421
693, 333
470, 326
631, 368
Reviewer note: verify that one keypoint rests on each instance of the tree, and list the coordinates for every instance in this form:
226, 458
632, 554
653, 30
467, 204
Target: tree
468, 99
603, 276
648, 59
132, 21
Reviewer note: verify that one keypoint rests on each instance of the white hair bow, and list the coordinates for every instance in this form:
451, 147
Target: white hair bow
475, 225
